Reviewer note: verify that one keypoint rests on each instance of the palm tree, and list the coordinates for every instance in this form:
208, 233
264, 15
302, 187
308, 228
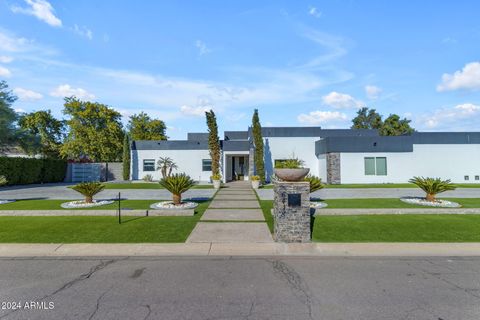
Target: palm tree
3, 180
177, 184
89, 189
315, 183
166, 166
432, 186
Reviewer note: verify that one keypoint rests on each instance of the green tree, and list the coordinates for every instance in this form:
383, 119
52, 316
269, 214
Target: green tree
42, 124
142, 127
394, 126
213, 142
8, 117
126, 157
258, 142
95, 131
367, 119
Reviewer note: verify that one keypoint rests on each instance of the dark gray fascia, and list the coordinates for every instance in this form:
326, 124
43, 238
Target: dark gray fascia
170, 145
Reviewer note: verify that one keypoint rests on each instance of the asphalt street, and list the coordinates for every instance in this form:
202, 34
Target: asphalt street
240, 288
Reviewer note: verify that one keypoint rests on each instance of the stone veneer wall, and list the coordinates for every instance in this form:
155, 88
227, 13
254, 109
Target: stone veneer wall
333, 168
291, 223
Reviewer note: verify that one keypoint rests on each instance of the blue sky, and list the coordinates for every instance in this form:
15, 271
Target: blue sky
301, 63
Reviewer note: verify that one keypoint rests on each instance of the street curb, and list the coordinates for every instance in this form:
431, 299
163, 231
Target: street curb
242, 249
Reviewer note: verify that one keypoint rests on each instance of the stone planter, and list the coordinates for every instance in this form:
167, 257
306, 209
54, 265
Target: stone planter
255, 184
217, 183
292, 175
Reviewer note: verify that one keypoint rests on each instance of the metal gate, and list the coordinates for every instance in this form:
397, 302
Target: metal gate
85, 172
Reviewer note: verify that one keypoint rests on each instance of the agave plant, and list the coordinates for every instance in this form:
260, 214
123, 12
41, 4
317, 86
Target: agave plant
3, 180
432, 186
177, 184
166, 166
315, 183
89, 189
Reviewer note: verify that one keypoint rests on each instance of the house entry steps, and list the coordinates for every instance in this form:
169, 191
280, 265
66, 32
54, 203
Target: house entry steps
233, 216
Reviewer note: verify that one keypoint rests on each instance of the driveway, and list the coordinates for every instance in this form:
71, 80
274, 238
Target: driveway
267, 194
62, 192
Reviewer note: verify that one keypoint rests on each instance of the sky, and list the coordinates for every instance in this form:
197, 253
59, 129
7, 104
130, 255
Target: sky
301, 63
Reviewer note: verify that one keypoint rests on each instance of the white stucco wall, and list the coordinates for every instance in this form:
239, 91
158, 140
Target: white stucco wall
447, 161
322, 167
284, 147
188, 161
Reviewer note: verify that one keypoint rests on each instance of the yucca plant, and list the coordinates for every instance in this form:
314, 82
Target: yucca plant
432, 186
315, 183
177, 184
89, 189
3, 180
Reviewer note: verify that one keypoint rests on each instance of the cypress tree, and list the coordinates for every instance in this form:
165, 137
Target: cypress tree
126, 157
213, 142
258, 142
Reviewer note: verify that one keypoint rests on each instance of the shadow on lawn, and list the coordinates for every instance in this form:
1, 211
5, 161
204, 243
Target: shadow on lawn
130, 219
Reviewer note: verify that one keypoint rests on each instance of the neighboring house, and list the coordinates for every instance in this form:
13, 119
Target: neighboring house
335, 155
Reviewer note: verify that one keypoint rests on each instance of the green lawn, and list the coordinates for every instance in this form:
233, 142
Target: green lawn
397, 228
144, 185
55, 205
382, 185
98, 229
393, 203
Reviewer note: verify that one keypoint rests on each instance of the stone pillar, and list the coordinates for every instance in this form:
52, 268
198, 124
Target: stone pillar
333, 168
291, 211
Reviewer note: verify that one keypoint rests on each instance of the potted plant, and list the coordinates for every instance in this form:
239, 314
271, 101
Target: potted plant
177, 184
432, 186
217, 180
255, 181
291, 169
88, 190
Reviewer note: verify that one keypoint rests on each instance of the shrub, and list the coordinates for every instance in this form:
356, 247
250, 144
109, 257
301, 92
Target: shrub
315, 183
147, 178
293, 163
216, 177
29, 170
177, 184
89, 189
432, 186
255, 178
2, 180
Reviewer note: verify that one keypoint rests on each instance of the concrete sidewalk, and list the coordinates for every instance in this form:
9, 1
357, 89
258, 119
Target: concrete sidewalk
239, 249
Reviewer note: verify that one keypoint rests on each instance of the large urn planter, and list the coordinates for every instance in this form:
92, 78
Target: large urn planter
217, 183
291, 175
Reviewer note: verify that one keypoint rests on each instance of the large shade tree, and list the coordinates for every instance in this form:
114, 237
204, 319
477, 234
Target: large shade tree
213, 142
142, 127
258, 142
95, 131
8, 116
367, 119
392, 126
49, 131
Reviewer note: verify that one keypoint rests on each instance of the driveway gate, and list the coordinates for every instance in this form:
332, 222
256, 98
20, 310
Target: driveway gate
84, 172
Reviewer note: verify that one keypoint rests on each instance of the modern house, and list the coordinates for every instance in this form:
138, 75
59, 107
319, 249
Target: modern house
335, 155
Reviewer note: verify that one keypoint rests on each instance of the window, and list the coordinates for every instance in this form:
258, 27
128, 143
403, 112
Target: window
477, 178
206, 165
148, 165
375, 166
466, 178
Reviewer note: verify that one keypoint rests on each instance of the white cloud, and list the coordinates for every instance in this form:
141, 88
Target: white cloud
194, 111
341, 101
314, 12
19, 110
27, 95
372, 92
202, 47
6, 59
468, 78
83, 32
42, 10
4, 72
461, 117
322, 117
65, 90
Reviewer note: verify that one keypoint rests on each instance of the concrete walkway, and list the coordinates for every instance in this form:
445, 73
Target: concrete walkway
237, 215
242, 249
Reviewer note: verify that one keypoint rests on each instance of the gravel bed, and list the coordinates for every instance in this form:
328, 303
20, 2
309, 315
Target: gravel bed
423, 202
171, 206
82, 204
318, 205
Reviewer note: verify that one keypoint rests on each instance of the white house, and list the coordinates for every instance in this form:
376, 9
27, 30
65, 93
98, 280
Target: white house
335, 155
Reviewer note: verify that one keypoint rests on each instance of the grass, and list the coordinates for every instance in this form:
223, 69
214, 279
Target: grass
382, 185
393, 203
55, 205
397, 228
144, 185
90, 229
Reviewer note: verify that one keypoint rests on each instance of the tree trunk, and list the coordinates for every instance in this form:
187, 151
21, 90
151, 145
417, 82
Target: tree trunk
430, 197
177, 199
88, 199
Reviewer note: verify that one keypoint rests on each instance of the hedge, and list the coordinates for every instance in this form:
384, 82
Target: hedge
29, 170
